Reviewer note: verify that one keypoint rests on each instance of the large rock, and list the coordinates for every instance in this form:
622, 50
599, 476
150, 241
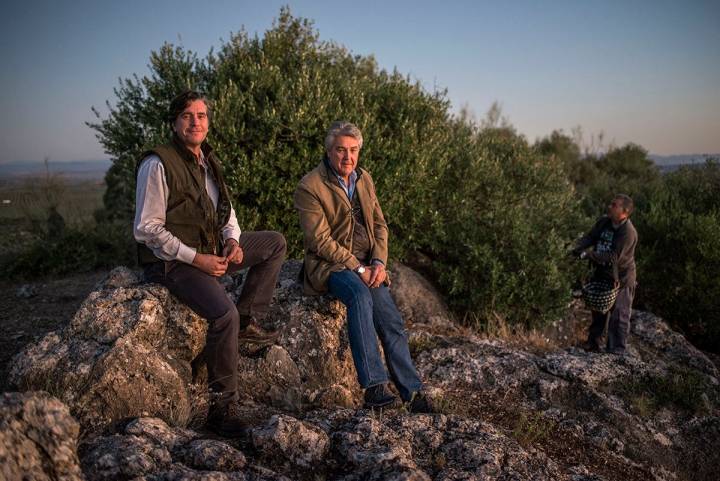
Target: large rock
303, 445
149, 449
312, 364
38, 438
129, 352
418, 301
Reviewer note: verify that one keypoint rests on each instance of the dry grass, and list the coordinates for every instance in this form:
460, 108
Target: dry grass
495, 326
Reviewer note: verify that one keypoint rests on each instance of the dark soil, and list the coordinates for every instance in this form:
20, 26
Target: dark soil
29, 310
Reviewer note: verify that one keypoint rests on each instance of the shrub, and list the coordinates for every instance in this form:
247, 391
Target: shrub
77, 249
501, 230
679, 252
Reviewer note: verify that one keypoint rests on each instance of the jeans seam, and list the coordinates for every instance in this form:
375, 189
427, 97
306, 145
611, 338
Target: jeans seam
362, 333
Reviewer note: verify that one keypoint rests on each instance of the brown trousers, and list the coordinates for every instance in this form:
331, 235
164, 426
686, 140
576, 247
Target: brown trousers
263, 253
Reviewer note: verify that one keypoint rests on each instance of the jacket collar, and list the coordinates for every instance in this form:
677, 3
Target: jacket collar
185, 153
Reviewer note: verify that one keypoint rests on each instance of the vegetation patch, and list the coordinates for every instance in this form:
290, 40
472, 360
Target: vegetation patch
680, 388
532, 428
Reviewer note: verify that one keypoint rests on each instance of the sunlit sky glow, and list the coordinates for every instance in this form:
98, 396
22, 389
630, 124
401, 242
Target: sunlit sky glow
640, 71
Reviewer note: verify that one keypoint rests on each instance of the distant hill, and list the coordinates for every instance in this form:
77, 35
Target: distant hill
74, 170
668, 163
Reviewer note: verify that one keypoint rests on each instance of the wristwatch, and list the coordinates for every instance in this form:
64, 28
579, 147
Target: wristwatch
360, 270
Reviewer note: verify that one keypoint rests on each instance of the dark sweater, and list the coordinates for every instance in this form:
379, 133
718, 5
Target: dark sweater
612, 245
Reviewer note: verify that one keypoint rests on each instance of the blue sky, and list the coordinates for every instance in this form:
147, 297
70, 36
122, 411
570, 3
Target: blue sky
640, 71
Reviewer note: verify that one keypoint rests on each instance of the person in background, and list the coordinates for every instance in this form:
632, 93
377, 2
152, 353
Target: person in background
612, 240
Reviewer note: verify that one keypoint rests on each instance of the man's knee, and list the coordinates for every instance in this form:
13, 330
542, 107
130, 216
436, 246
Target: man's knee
279, 243
362, 299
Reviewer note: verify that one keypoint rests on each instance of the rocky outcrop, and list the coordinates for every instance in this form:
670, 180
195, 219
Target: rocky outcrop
129, 352
147, 448
38, 438
125, 368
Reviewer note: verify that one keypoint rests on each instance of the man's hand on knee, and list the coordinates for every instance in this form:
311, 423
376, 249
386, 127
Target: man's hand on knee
365, 276
211, 264
377, 275
233, 252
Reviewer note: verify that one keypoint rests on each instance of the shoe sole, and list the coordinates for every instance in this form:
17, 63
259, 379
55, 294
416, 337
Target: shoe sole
384, 405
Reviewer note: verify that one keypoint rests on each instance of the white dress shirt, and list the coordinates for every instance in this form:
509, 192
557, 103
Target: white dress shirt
151, 204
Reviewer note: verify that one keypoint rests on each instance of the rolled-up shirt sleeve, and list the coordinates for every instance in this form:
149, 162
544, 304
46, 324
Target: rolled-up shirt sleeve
150, 206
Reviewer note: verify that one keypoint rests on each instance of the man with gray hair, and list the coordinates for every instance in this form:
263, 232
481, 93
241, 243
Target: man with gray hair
346, 248
612, 241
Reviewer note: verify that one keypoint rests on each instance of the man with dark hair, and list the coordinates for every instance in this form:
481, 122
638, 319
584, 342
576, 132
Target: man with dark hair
188, 236
611, 242
346, 248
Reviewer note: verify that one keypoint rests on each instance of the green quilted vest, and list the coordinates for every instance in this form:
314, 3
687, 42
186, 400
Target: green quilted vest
190, 215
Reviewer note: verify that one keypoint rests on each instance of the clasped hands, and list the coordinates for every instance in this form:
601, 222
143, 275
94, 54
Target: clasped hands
217, 265
374, 275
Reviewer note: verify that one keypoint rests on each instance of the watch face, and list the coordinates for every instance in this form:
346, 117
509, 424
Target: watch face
361, 270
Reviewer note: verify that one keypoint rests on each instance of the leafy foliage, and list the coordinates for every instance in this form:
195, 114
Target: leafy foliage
680, 252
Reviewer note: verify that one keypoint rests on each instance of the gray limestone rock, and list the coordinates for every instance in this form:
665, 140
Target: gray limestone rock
418, 301
38, 438
301, 444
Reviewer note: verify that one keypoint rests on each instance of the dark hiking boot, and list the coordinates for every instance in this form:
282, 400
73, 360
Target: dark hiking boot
253, 333
420, 403
226, 421
378, 396
590, 346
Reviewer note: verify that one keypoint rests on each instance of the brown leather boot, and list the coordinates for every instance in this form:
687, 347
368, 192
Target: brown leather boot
226, 421
254, 334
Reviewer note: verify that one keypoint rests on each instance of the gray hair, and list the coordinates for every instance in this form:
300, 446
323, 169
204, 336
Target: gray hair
627, 203
341, 128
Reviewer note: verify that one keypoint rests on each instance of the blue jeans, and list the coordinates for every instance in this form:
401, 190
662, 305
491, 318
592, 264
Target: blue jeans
372, 313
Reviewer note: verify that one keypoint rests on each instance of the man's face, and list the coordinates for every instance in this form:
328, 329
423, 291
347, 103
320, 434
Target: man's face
192, 124
344, 155
615, 211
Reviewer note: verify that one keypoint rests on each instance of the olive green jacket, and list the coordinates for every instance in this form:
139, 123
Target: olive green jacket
327, 223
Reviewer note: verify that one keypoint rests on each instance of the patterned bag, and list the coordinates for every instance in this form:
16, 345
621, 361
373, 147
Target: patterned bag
600, 294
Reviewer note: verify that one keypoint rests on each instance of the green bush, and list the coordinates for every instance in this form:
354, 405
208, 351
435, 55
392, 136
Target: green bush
488, 209
499, 241
679, 252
